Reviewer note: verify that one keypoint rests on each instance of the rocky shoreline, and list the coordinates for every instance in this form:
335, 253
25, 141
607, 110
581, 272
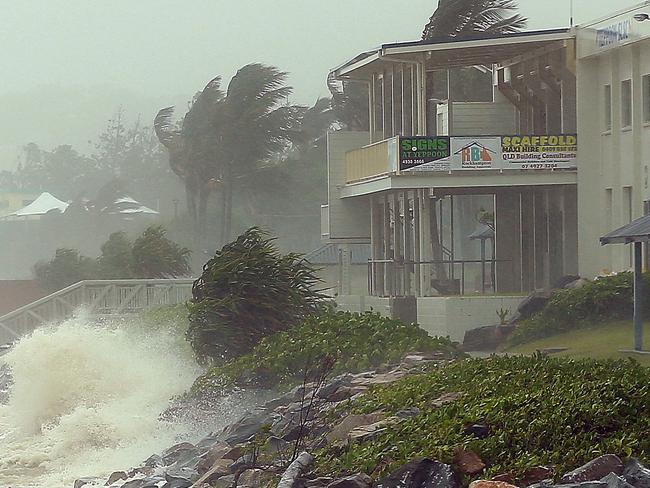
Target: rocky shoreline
274, 444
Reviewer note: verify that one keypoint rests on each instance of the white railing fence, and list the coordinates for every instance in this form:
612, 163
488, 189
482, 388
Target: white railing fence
98, 298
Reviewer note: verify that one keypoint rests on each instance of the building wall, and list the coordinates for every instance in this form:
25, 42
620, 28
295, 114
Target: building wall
349, 219
613, 163
477, 118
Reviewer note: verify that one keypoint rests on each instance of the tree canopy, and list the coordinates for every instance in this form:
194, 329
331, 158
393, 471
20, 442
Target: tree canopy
465, 18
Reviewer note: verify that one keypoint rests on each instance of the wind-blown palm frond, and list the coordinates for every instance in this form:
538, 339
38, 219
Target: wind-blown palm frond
167, 133
349, 103
464, 18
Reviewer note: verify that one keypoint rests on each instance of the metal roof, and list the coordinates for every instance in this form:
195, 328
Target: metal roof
636, 231
468, 51
329, 254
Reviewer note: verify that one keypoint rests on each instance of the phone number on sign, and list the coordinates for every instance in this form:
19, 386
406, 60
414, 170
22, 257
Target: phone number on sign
539, 166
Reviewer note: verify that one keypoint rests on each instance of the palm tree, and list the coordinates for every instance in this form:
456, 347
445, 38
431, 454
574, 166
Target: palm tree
253, 125
465, 18
191, 146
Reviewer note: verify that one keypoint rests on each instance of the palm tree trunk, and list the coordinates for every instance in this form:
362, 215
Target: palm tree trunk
204, 195
228, 205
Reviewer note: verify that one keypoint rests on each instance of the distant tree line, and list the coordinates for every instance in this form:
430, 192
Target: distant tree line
150, 256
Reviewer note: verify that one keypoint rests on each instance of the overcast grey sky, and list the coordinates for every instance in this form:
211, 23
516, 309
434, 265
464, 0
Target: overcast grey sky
68, 64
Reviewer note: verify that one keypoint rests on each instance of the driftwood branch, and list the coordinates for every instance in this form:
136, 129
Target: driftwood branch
295, 470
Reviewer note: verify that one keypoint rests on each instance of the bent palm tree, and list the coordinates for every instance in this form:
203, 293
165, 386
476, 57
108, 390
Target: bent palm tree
253, 124
464, 18
191, 147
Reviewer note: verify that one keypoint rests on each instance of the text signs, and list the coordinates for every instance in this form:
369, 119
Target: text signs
424, 153
540, 152
520, 152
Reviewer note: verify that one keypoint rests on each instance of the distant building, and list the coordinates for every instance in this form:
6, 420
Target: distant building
12, 200
614, 126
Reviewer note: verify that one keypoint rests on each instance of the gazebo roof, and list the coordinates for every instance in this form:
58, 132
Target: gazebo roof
636, 231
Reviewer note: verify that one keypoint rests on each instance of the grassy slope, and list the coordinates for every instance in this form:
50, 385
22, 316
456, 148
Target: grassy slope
599, 342
539, 411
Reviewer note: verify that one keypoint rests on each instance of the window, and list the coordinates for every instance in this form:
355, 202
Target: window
646, 98
608, 107
626, 103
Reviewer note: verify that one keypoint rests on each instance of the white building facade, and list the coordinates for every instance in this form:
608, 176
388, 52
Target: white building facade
613, 87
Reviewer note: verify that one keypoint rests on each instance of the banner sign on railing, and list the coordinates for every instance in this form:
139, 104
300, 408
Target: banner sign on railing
526, 152
415, 152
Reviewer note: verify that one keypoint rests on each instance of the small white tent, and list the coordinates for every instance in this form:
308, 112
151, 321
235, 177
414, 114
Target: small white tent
44, 204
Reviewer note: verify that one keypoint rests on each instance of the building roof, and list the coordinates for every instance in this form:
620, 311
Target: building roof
636, 231
468, 51
44, 203
329, 254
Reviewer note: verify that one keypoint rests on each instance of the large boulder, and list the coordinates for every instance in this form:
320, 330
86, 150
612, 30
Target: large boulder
359, 480
487, 338
532, 304
421, 473
636, 474
595, 470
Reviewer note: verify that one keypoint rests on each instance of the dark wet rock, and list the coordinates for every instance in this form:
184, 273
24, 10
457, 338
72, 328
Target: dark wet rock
227, 481
253, 478
584, 484
117, 476
177, 452
244, 462
218, 451
209, 442
615, 481
275, 445
636, 474
154, 461
532, 304
143, 483
246, 428
468, 462
81, 482
421, 473
359, 480
220, 468
343, 429
445, 399
595, 470
408, 413
479, 431
487, 338
542, 484
175, 481
321, 482
327, 391
537, 474
564, 281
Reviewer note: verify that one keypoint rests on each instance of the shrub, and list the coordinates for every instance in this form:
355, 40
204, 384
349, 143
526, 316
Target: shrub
116, 260
249, 291
539, 411
607, 298
155, 256
357, 342
66, 268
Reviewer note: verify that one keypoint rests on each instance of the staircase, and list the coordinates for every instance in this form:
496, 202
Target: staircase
100, 298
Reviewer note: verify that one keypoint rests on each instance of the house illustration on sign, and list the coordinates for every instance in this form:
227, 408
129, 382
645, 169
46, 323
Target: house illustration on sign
476, 155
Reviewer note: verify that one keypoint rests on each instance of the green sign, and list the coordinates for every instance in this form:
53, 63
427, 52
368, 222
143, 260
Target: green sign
417, 151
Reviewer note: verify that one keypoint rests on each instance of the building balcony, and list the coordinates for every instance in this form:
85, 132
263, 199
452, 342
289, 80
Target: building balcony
494, 158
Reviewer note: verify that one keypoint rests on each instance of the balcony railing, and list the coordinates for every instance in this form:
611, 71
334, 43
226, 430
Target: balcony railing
370, 161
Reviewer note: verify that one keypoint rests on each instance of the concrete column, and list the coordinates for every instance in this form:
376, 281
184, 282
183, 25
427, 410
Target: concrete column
570, 229
508, 241
527, 223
